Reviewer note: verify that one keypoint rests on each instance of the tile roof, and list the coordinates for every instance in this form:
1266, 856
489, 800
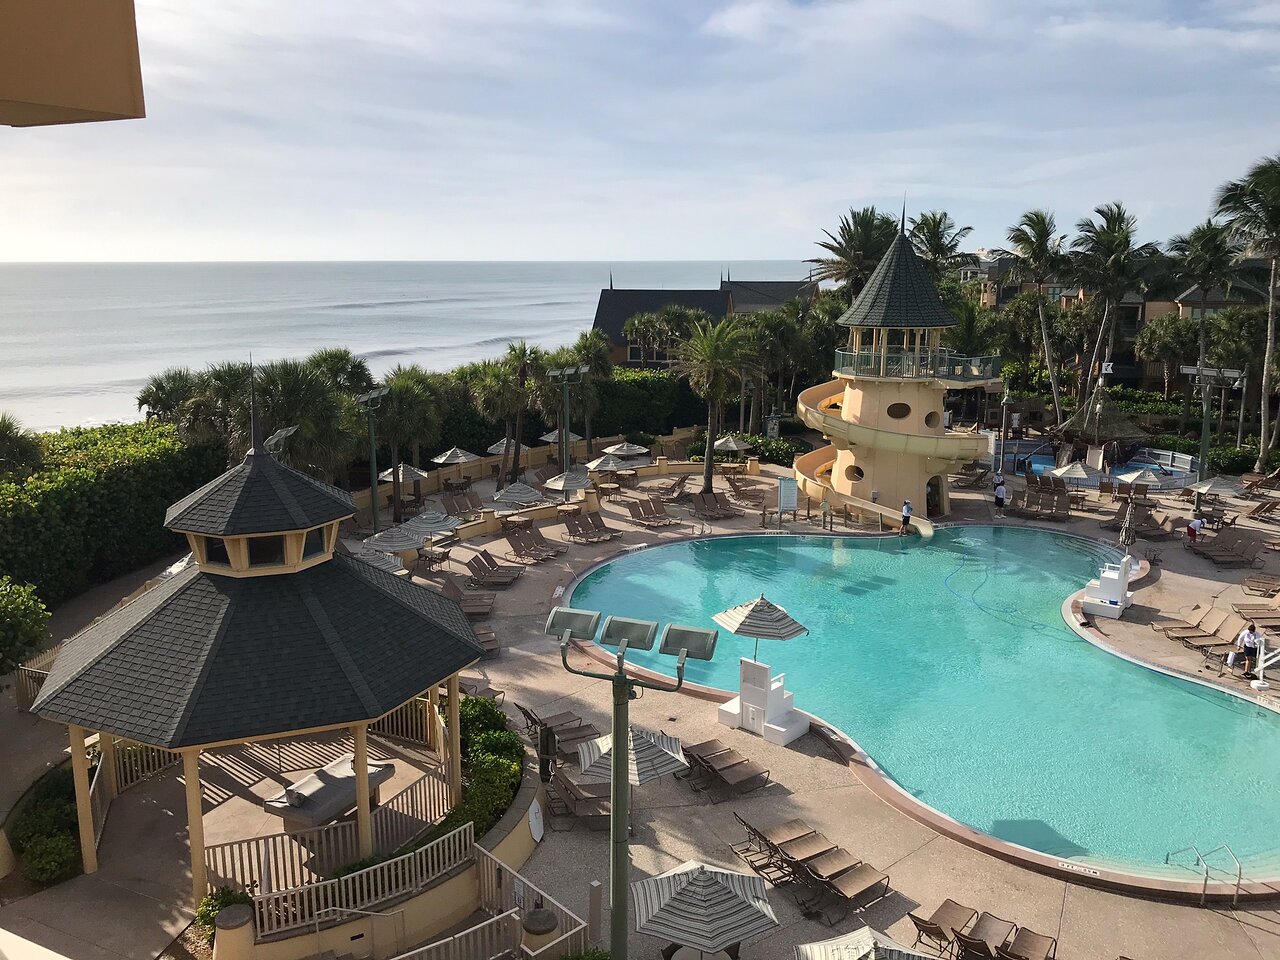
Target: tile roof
204, 658
260, 495
900, 293
616, 307
752, 295
1241, 291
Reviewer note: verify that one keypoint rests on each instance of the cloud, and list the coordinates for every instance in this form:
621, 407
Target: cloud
589, 129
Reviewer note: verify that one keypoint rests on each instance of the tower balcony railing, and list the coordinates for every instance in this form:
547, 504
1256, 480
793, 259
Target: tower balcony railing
923, 365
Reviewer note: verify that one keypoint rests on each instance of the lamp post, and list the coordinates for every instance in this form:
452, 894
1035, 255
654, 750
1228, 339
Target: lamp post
565, 376
1004, 428
371, 401
682, 642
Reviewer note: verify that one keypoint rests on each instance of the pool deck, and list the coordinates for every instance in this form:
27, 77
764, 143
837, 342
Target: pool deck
673, 823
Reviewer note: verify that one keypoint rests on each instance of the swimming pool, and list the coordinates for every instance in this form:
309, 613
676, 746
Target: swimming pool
1041, 464
948, 661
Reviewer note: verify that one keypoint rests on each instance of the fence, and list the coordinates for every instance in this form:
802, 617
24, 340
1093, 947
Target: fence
409, 874
99, 803
31, 675
283, 861
502, 889
137, 761
410, 722
496, 939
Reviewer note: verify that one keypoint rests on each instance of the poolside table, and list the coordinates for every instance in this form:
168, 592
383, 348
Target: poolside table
609, 490
517, 522
569, 509
626, 477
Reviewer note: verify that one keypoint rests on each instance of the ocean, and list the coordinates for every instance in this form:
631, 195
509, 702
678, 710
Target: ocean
77, 341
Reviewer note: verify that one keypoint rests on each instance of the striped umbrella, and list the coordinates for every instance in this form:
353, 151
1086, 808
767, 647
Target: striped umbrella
760, 620
732, 444
862, 944
554, 437
627, 450
431, 522
383, 561
702, 907
408, 473
1145, 475
518, 495
572, 480
1214, 487
607, 464
398, 539
1076, 471
502, 446
454, 455
652, 755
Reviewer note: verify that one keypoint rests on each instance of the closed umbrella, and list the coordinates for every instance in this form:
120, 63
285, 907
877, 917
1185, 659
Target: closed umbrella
554, 437
625, 449
702, 907
652, 755
862, 944
504, 446
761, 620
398, 539
518, 495
606, 464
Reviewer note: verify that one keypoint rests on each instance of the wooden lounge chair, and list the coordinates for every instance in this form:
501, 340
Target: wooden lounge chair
473, 603
988, 935
940, 928
1029, 945
485, 576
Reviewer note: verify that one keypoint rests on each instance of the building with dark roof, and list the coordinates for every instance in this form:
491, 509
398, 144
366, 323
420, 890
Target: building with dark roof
268, 634
753, 296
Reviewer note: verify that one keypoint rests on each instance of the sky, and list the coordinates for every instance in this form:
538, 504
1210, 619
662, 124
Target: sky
657, 129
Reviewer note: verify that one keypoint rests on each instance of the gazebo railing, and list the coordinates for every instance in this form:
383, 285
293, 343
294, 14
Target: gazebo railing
498, 937
300, 906
99, 802
137, 761
408, 814
502, 889
411, 722
31, 675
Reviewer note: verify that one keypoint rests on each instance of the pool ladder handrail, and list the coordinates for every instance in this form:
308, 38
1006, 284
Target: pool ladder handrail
1201, 861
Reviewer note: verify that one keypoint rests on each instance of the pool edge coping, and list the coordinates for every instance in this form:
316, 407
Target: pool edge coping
870, 774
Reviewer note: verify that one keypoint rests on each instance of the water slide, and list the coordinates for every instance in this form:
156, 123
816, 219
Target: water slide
813, 476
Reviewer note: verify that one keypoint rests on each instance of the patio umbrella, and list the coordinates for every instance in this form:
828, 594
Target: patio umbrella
652, 755
625, 449
383, 561
408, 473
1076, 471
431, 523
702, 907
732, 444
1144, 475
571, 480
502, 446
606, 464
454, 455
1214, 487
760, 620
554, 437
398, 539
518, 495
862, 944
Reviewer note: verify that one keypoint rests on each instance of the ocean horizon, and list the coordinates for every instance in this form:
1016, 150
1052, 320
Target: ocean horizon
79, 340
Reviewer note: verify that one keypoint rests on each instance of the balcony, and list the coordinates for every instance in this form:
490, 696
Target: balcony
909, 365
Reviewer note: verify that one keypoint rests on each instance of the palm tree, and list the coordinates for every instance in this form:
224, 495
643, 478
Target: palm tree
1167, 340
712, 357
220, 401
20, 450
492, 387
294, 393
861, 240
1107, 259
402, 418
1251, 206
343, 369
937, 240
659, 329
592, 350
1207, 257
525, 364
167, 394
1036, 250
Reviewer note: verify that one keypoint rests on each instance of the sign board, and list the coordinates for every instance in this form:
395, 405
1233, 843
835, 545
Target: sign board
771, 427
517, 892
786, 494
1108, 368
535, 820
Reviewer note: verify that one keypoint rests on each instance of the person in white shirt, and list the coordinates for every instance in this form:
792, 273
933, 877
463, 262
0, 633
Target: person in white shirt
1248, 643
1001, 493
1193, 530
906, 518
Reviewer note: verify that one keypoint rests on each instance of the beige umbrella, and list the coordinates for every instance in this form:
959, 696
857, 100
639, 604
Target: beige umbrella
702, 907
626, 449
518, 495
761, 620
606, 464
554, 437
1076, 471
567, 482
651, 755
455, 455
502, 446
1145, 475
408, 474
862, 944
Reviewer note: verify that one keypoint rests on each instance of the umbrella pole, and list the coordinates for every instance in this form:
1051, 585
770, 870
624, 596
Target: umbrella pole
756, 656
620, 822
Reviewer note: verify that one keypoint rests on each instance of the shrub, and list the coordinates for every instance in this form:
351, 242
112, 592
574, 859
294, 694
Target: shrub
478, 715
22, 623
212, 904
96, 509
1169, 441
1232, 461
640, 438
593, 954
782, 451
57, 784
50, 858
503, 744
40, 820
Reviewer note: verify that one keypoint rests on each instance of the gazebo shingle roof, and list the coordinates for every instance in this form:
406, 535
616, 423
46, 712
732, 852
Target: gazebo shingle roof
260, 495
204, 658
899, 294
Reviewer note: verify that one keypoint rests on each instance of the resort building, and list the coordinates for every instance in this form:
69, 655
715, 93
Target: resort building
883, 412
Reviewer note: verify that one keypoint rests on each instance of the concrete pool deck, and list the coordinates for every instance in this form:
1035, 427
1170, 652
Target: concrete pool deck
673, 824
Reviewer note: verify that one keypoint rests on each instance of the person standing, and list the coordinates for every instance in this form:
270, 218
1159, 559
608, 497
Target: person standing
1193, 530
906, 518
1001, 492
1247, 643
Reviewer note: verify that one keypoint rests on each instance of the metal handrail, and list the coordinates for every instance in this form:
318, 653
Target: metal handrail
1235, 897
1202, 862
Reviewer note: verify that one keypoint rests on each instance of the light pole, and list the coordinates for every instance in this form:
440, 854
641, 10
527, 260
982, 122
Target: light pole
681, 642
565, 376
1004, 427
371, 401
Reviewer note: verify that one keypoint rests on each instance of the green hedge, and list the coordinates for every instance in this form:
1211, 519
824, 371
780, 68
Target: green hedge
1169, 441
645, 401
23, 620
45, 833
96, 509
214, 903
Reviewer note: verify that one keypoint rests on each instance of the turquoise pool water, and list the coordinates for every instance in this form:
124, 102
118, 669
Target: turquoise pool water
950, 664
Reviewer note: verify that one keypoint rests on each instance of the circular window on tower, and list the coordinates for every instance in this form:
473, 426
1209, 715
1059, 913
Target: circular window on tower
931, 419
899, 411
853, 474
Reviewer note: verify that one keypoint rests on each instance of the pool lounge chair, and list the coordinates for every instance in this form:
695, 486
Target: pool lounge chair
855, 888
741, 491
941, 926
1191, 619
485, 576
521, 550
474, 603
989, 934
596, 523
1225, 632
675, 489
724, 504
706, 508
1028, 945
569, 800
579, 530
1205, 628
1243, 554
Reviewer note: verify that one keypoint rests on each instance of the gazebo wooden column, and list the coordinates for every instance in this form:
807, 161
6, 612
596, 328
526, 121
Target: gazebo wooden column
84, 805
455, 743
195, 823
360, 763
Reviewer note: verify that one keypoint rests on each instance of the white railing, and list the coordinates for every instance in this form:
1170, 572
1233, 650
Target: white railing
410, 722
502, 890
99, 802
496, 939
403, 876
31, 675
282, 861
137, 761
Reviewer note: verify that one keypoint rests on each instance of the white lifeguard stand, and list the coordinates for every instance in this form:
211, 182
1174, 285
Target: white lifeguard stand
763, 705
1108, 595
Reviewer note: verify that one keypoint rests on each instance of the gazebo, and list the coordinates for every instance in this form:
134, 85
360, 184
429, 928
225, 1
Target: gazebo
269, 634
